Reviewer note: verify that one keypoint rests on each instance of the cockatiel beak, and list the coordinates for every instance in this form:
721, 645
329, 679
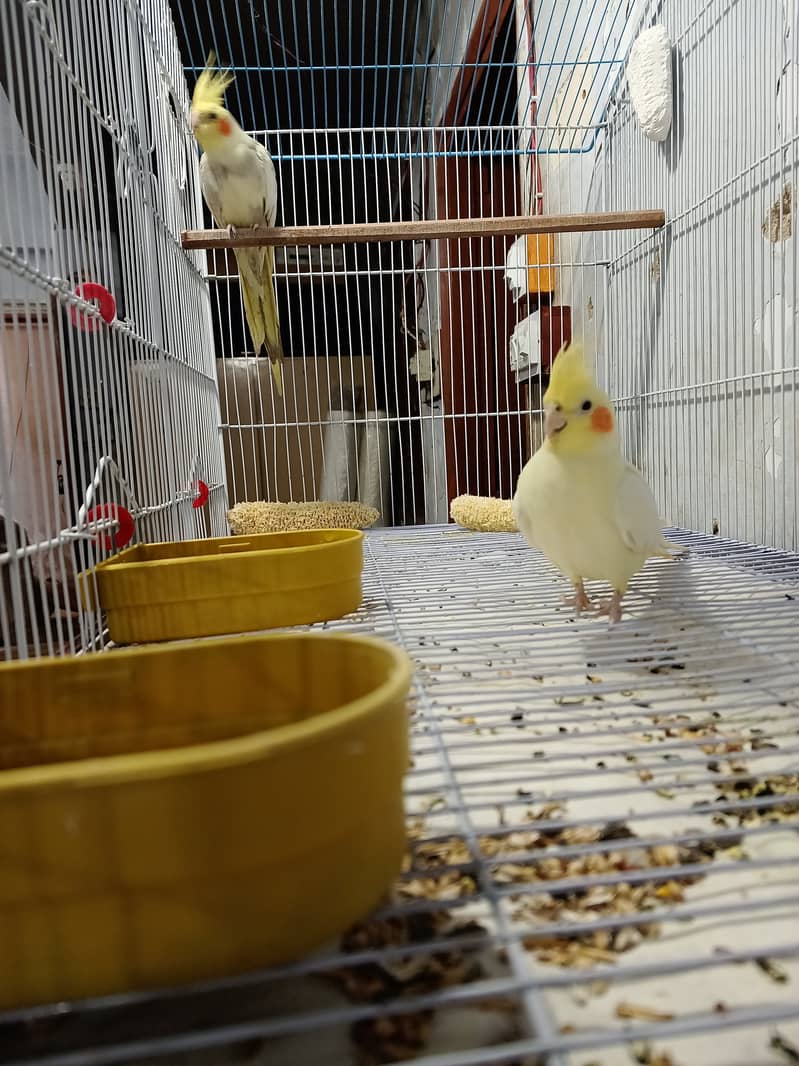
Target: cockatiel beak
554, 422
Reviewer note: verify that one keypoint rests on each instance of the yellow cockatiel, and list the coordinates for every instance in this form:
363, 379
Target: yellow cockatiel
577, 500
237, 176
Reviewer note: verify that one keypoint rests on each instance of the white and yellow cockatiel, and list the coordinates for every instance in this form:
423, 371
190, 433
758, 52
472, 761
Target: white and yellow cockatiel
237, 176
577, 500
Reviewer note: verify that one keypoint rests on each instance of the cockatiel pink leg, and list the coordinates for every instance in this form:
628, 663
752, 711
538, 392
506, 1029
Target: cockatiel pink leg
579, 600
612, 607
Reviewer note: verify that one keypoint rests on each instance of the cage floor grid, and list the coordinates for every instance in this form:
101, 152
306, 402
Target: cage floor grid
603, 835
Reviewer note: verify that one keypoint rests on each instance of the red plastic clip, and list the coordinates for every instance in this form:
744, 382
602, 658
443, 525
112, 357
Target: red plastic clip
123, 535
201, 498
106, 305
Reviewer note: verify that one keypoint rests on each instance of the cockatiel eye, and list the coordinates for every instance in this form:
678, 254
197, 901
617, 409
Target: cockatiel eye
587, 405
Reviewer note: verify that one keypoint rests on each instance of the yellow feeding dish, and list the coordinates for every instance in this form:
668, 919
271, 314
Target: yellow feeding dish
178, 813
201, 588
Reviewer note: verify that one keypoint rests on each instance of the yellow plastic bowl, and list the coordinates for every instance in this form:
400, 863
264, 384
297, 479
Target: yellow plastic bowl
177, 813
201, 588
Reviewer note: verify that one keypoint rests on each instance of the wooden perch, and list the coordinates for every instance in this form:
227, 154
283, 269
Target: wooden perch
425, 229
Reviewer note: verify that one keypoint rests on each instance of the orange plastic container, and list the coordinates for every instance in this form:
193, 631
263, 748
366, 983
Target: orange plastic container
540, 262
201, 588
182, 812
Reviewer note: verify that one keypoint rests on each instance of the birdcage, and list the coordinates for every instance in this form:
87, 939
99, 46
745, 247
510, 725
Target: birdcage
602, 823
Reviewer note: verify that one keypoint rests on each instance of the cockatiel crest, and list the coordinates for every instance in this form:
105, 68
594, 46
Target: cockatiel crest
570, 376
578, 415
209, 92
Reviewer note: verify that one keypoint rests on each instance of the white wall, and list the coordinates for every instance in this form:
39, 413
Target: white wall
702, 318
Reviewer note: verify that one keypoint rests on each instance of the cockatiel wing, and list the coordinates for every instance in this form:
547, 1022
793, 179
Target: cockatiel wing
210, 191
265, 161
636, 514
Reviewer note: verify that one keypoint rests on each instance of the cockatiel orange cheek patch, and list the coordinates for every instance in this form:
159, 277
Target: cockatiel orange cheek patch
224, 127
602, 419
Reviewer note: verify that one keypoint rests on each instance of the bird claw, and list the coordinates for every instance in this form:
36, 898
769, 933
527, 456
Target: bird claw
612, 608
579, 601
232, 231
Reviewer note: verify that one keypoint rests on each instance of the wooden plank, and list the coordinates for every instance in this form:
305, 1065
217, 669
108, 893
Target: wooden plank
424, 229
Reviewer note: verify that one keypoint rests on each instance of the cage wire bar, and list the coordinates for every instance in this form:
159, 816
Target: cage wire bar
711, 390
98, 180
400, 115
603, 836
602, 825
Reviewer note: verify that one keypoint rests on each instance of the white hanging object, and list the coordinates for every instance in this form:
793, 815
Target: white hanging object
374, 484
525, 348
516, 267
340, 464
650, 81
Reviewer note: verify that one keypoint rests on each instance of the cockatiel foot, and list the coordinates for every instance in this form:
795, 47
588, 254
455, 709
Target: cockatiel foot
233, 231
579, 601
612, 608
669, 550
678, 552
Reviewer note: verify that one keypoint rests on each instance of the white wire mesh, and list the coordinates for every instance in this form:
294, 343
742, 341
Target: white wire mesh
99, 178
430, 111
522, 111
400, 390
603, 822
700, 337
538, 741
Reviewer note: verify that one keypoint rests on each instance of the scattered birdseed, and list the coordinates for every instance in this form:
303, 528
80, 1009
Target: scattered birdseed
779, 1043
773, 970
642, 1014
